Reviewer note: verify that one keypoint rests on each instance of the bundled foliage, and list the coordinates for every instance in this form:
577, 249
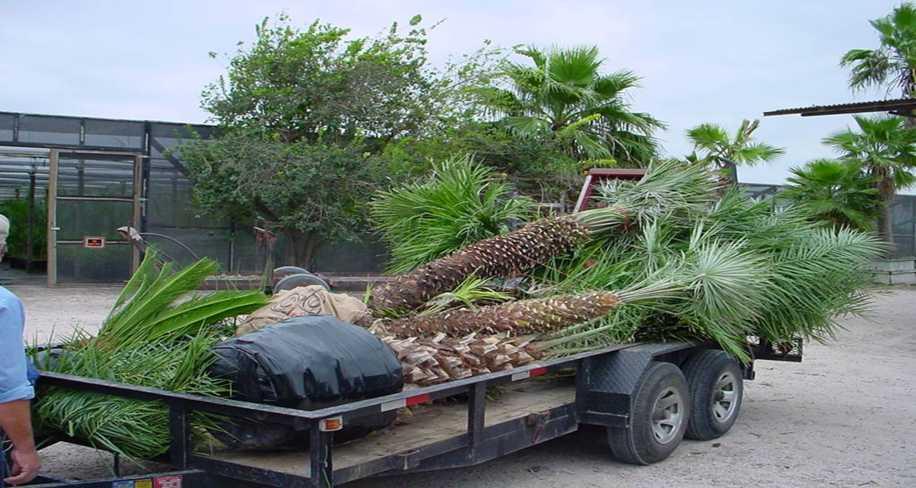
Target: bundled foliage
665, 260
746, 270
461, 202
155, 336
135, 429
668, 187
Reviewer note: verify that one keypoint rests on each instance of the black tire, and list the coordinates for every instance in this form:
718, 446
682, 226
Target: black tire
640, 442
284, 271
297, 280
711, 375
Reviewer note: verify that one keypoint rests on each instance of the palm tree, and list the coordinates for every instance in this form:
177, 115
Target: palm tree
894, 63
716, 147
886, 149
836, 191
563, 95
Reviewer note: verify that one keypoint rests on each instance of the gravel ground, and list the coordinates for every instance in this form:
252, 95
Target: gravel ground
844, 417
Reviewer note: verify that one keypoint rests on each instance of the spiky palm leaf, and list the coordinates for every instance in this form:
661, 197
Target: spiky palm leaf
562, 93
462, 202
894, 62
147, 310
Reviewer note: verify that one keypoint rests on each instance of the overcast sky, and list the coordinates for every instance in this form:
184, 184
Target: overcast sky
709, 61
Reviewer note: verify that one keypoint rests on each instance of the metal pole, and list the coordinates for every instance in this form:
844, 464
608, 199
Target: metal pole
52, 217
31, 222
137, 213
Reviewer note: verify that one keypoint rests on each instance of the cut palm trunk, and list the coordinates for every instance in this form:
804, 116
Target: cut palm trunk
533, 316
428, 361
508, 255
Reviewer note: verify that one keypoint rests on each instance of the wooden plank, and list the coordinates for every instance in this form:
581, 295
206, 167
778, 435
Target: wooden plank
423, 425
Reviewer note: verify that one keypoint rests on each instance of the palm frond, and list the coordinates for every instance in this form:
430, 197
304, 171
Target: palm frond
462, 202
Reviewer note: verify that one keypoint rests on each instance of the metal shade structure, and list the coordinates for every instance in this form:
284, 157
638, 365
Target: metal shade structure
899, 106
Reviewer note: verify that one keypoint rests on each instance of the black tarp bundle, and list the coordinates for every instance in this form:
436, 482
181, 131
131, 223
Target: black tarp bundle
307, 363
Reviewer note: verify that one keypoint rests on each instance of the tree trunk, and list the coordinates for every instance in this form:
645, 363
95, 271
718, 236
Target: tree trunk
728, 175
301, 248
885, 218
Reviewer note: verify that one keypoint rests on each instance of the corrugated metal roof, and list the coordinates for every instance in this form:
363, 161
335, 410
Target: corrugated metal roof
849, 108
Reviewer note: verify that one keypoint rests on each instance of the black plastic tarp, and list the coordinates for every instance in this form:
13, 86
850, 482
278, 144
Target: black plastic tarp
307, 363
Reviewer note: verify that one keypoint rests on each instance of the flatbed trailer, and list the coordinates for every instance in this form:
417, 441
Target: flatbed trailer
646, 396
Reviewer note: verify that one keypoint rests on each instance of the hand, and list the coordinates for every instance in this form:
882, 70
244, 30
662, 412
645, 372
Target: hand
25, 466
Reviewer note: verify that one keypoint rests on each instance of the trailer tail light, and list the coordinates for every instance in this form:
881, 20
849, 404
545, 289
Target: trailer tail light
332, 424
531, 373
405, 402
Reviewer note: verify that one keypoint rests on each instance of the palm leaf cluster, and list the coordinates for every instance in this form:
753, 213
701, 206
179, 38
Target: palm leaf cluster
838, 192
135, 429
461, 202
157, 335
562, 94
892, 64
741, 268
662, 259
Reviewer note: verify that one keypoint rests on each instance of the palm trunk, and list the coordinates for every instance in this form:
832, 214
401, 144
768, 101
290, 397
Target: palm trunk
885, 218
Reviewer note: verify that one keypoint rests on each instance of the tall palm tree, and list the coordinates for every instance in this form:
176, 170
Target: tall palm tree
715, 146
893, 64
886, 149
562, 94
836, 191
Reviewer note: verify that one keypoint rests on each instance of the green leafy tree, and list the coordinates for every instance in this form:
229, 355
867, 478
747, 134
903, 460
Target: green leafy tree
838, 192
316, 84
713, 145
537, 167
312, 193
893, 63
562, 94
886, 149
303, 115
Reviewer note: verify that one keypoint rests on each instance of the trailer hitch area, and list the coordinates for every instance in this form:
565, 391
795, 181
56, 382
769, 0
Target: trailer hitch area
409, 459
536, 421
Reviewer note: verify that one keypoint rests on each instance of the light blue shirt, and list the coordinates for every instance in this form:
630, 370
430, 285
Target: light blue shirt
14, 381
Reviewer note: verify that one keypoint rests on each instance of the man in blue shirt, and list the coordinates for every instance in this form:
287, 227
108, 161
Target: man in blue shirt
15, 392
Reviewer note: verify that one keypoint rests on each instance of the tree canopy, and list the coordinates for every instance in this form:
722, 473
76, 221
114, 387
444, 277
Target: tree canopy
562, 94
712, 144
838, 192
886, 150
893, 63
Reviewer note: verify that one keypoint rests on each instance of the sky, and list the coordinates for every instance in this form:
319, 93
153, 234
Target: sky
700, 61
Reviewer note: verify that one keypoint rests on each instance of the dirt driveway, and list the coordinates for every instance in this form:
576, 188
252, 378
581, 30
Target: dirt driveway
845, 417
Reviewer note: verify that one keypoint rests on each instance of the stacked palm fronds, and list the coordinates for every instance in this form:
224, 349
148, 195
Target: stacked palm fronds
670, 190
691, 266
156, 336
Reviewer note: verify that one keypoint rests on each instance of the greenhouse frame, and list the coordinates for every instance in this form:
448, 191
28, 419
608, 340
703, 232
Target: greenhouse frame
71, 182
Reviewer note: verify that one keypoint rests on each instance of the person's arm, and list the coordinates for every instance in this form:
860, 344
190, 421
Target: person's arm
15, 392
16, 422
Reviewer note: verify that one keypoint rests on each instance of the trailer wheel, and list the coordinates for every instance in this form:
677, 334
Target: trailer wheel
716, 388
297, 280
658, 420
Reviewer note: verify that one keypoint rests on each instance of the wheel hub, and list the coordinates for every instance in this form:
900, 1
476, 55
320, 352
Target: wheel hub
667, 415
725, 397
